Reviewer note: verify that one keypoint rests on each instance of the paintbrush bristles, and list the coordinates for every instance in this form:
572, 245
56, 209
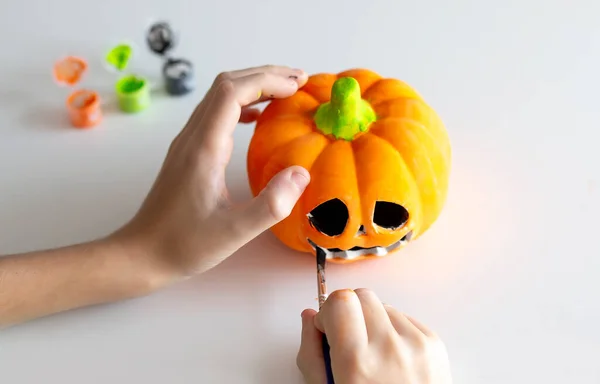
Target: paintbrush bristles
321, 257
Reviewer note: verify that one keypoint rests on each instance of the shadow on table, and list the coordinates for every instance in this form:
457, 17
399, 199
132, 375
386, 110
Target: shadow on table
257, 272
278, 364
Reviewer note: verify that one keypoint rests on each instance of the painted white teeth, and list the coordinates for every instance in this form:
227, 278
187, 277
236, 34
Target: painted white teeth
353, 254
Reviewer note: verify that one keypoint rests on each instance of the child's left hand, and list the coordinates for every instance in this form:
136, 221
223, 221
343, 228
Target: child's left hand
185, 226
187, 223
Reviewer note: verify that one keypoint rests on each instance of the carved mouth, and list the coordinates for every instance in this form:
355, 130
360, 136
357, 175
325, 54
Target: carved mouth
355, 252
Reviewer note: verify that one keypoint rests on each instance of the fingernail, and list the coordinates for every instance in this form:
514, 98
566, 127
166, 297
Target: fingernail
300, 180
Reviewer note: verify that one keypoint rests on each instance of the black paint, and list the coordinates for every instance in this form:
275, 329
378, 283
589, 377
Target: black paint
181, 83
160, 38
389, 215
330, 217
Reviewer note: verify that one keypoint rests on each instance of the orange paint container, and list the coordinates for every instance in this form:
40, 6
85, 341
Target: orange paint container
84, 108
83, 105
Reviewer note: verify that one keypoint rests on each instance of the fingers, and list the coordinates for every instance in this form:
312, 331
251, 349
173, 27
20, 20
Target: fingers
275, 69
310, 355
371, 340
224, 110
406, 326
195, 120
273, 204
376, 317
251, 88
299, 76
311, 336
421, 327
249, 115
373, 315
341, 319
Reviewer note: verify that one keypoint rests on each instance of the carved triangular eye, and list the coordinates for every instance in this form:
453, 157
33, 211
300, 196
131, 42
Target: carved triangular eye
330, 217
389, 215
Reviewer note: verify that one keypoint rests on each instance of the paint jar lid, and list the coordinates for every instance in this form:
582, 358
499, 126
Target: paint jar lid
161, 38
69, 70
119, 56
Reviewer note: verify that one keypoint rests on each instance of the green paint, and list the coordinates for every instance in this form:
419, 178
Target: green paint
347, 113
119, 56
133, 93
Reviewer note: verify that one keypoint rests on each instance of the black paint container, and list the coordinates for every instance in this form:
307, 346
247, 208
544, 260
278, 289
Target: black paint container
178, 75
161, 38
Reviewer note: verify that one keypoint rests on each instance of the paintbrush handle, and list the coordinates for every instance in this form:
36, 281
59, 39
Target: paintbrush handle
327, 357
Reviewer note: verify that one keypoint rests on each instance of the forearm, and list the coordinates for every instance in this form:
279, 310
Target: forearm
42, 283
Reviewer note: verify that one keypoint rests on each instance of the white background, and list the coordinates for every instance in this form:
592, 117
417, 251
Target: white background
508, 276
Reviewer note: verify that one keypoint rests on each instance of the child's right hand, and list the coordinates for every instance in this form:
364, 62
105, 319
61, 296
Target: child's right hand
370, 342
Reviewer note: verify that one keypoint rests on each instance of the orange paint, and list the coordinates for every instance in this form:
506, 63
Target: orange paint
402, 157
69, 70
344, 294
84, 108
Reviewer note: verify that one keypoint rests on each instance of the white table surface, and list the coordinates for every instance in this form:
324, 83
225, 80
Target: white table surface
509, 276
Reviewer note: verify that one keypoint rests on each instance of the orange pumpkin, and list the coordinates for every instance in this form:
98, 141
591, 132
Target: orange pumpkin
379, 159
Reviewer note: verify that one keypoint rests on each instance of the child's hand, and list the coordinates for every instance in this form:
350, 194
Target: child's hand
185, 226
187, 223
370, 343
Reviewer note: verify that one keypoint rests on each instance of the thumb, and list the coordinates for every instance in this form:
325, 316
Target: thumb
273, 204
310, 355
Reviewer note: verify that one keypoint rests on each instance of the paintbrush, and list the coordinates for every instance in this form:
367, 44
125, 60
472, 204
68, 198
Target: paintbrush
322, 288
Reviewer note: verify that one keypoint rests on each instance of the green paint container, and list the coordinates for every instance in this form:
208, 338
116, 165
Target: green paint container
133, 93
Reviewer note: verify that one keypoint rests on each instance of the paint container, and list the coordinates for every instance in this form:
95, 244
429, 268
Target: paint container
161, 38
178, 76
83, 105
84, 108
133, 93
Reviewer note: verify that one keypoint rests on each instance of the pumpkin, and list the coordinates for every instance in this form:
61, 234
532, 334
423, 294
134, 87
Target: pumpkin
378, 155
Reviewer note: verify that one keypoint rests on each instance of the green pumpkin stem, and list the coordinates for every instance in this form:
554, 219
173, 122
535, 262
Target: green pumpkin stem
347, 114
